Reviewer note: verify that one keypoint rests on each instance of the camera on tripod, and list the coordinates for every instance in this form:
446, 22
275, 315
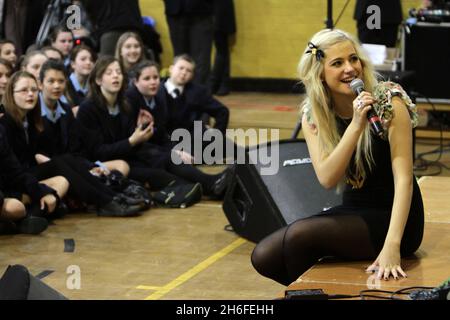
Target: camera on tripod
55, 14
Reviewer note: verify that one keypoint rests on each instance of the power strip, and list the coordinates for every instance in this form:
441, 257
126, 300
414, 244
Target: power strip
307, 294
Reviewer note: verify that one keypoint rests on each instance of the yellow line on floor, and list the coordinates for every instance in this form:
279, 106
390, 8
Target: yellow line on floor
161, 291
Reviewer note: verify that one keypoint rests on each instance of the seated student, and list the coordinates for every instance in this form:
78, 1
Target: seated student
23, 125
116, 132
129, 50
141, 95
187, 102
82, 60
61, 38
32, 62
14, 185
5, 72
17, 118
53, 53
8, 51
60, 134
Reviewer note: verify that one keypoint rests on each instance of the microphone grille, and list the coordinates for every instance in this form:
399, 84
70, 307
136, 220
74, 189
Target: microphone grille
357, 85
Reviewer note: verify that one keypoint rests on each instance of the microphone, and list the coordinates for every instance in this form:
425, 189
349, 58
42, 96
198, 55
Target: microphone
357, 86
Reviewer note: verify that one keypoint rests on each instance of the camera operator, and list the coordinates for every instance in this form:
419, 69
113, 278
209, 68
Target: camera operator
20, 21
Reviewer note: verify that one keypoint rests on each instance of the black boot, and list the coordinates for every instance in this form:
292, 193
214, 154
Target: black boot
60, 211
129, 200
137, 192
219, 188
223, 90
118, 208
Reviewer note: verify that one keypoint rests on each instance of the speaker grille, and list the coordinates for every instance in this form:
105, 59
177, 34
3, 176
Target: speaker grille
295, 189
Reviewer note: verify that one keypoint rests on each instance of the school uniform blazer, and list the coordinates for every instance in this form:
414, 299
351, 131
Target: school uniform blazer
197, 101
13, 176
77, 96
159, 113
17, 139
99, 139
51, 143
189, 7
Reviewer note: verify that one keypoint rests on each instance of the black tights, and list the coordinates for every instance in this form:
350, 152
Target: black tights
191, 173
83, 185
158, 178
287, 253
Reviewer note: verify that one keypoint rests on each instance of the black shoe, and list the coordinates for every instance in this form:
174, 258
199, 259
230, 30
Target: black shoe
223, 91
118, 208
179, 196
136, 190
32, 225
130, 201
59, 212
219, 188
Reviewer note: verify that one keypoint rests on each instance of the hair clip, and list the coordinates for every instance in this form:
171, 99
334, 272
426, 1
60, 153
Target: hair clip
314, 50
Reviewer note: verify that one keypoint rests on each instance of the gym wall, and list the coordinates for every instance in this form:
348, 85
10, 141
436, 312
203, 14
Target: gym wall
272, 34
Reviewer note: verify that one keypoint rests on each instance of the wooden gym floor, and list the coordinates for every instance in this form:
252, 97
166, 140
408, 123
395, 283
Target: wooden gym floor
165, 253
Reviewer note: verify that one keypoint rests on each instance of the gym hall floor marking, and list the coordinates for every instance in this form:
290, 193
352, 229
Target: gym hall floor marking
161, 291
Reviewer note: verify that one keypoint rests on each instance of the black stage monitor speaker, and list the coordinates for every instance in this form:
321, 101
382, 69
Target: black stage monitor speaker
257, 205
427, 52
18, 284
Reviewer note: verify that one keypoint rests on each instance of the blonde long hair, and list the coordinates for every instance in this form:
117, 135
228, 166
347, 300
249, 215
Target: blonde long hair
120, 42
319, 99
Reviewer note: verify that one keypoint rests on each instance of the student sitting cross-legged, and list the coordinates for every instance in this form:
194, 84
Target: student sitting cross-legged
20, 190
117, 129
142, 97
25, 128
60, 136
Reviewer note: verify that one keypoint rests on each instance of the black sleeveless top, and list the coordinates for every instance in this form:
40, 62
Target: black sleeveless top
374, 199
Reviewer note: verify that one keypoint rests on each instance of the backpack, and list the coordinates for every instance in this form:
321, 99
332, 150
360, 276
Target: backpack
178, 195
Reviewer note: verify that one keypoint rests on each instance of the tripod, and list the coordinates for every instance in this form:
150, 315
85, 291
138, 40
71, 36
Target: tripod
329, 21
53, 15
